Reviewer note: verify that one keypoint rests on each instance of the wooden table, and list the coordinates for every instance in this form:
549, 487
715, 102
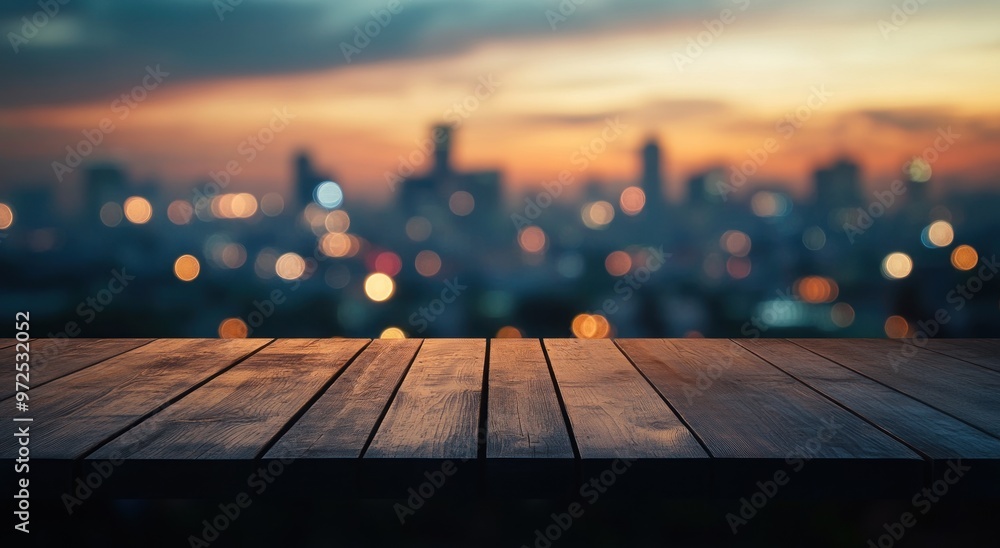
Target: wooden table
668, 418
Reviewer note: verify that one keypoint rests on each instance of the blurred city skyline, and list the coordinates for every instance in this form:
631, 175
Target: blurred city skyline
527, 85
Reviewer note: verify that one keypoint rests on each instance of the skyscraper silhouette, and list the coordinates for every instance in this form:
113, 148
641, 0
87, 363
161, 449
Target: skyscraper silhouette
652, 177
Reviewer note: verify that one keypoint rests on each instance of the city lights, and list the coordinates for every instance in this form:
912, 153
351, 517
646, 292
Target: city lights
632, 200
186, 268
392, 333
180, 212
233, 328
290, 266
427, 263
328, 194
6, 216
111, 214
379, 287
532, 239
897, 266
964, 257
138, 210
937, 234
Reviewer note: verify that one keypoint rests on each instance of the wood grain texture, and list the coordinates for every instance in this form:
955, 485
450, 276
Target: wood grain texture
935, 434
742, 407
75, 413
983, 352
958, 388
235, 414
524, 418
613, 411
54, 358
343, 419
4, 343
435, 414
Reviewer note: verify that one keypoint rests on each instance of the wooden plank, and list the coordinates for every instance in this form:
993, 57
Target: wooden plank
758, 422
612, 410
983, 352
435, 414
528, 448
54, 358
343, 419
75, 413
4, 343
930, 431
960, 389
524, 418
233, 416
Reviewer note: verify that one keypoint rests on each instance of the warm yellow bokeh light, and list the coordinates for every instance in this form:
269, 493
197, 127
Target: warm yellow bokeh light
392, 333
964, 257
597, 215
290, 266
233, 328
379, 287
532, 239
940, 233
337, 221
590, 326
897, 266
138, 210
816, 289
186, 268
6, 216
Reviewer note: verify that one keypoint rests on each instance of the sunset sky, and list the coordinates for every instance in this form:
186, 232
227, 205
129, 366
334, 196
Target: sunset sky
890, 88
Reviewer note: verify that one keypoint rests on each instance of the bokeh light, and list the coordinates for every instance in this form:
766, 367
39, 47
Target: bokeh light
896, 327
937, 234
766, 203
388, 263
6, 216
964, 257
618, 263
736, 243
897, 265
186, 268
597, 215
590, 326
337, 221
461, 203
816, 289
233, 328
328, 194
427, 263
632, 200
418, 229
232, 255
508, 332
138, 210
814, 238
919, 170
180, 212
111, 214
272, 204
290, 266
532, 239
392, 333
379, 287
842, 314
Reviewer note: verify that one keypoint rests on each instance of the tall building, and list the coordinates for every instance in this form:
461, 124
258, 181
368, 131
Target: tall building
838, 186
652, 175
306, 178
441, 134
